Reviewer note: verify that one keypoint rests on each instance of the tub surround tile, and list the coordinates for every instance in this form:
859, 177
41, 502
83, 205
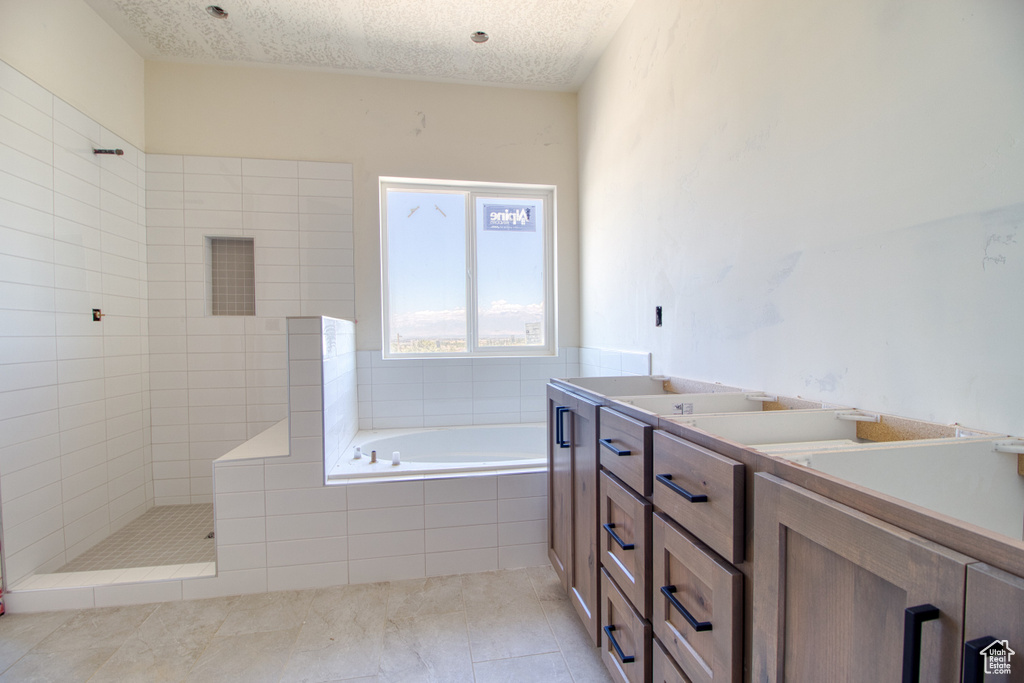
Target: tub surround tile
461, 561
307, 575
387, 569
530, 555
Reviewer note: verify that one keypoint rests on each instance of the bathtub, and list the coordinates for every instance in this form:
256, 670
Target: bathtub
444, 452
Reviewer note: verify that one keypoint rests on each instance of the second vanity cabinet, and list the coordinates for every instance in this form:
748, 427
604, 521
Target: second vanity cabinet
731, 549
841, 595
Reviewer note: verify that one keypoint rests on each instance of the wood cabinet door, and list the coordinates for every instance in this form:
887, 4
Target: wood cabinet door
995, 612
559, 484
584, 579
833, 588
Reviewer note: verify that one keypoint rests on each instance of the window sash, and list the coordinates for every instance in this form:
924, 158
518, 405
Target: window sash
471, 192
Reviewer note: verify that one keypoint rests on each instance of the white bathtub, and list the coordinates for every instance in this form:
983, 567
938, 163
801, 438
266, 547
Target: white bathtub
444, 452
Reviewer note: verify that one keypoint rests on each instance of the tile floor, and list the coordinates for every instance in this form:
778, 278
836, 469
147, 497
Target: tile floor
164, 535
511, 625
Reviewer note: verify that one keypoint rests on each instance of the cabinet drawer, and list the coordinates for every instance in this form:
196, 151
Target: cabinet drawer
625, 636
625, 446
663, 668
626, 541
702, 491
698, 605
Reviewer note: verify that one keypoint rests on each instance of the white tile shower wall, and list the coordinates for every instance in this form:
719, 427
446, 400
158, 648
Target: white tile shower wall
450, 392
337, 344
75, 458
608, 363
218, 381
279, 527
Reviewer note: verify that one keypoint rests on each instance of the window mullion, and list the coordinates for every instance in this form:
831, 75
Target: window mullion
471, 278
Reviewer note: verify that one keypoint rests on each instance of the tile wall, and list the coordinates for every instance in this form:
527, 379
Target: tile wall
279, 528
218, 381
337, 346
450, 392
74, 394
609, 363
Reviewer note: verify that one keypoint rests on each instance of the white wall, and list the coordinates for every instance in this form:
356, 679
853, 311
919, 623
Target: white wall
827, 199
74, 393
218, 381
384, 127
64, 46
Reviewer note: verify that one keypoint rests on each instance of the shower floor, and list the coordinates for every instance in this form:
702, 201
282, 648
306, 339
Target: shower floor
165, 535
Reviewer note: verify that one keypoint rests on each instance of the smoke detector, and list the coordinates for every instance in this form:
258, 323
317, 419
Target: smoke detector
479, 37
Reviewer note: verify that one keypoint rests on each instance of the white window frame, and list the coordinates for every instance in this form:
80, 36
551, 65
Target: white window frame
471, 190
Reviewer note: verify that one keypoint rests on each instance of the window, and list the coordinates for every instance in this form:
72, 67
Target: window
467, 269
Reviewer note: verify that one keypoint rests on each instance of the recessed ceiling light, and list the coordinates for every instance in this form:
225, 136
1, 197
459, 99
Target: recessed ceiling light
216, 11
478, 37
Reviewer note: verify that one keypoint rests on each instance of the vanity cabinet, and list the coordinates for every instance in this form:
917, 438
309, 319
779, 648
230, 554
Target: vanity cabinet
625, 539
573, 502
698, 605
994, 612
701, 490
840, 595
793, 543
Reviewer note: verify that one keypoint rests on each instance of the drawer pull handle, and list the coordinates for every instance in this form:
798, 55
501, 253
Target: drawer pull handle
974, 662
697, 626
913, 618
560, 437
607, 443
666, 479
610, 528
625, 659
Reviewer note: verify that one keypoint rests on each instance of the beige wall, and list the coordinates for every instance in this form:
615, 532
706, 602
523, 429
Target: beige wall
64, 46
384, 127
826, 197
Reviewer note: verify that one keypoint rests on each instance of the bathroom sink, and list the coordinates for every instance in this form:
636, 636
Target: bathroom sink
724, 402
646, 385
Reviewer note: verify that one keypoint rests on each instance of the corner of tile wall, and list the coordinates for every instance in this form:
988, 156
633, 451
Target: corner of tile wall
595, 362
446, 392
74, 441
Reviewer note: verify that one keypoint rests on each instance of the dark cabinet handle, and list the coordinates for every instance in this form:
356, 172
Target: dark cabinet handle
913, 617
974, 663
697, 626
625, 659
560, 427
610, 528
607, 443
666, 479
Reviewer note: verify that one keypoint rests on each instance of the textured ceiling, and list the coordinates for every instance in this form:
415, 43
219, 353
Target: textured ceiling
549, 44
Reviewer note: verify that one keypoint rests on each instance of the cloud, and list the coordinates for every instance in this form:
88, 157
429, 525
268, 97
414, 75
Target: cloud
499, 318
